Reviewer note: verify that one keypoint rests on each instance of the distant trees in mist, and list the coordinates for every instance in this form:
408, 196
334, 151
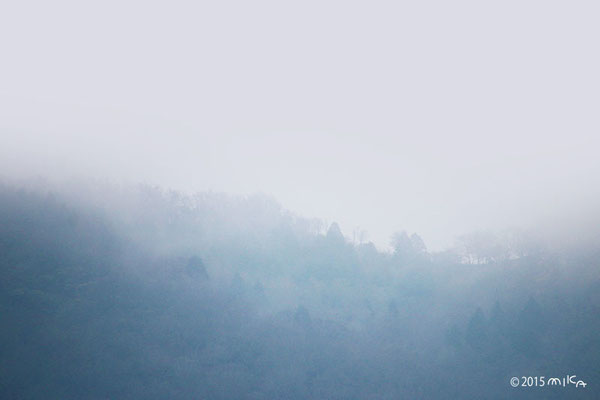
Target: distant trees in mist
138, 293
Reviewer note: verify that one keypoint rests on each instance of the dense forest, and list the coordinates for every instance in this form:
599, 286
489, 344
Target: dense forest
134, 292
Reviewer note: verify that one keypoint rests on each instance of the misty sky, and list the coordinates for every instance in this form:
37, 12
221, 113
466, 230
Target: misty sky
434, 117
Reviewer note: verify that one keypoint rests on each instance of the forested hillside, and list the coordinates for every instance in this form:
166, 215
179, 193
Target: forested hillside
138, 293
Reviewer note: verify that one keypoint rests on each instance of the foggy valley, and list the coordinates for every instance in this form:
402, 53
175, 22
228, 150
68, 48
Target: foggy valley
299, 200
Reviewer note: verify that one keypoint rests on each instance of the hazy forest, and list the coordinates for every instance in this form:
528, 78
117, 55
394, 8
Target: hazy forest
136, 292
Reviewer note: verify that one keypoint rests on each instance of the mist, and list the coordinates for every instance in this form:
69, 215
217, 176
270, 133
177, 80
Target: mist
314, 200
436, 118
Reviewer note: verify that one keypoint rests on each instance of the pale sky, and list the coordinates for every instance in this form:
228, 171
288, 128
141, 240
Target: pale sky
433, 117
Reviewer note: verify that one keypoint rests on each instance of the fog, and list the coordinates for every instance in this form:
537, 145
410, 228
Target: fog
311, 200
438, 118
